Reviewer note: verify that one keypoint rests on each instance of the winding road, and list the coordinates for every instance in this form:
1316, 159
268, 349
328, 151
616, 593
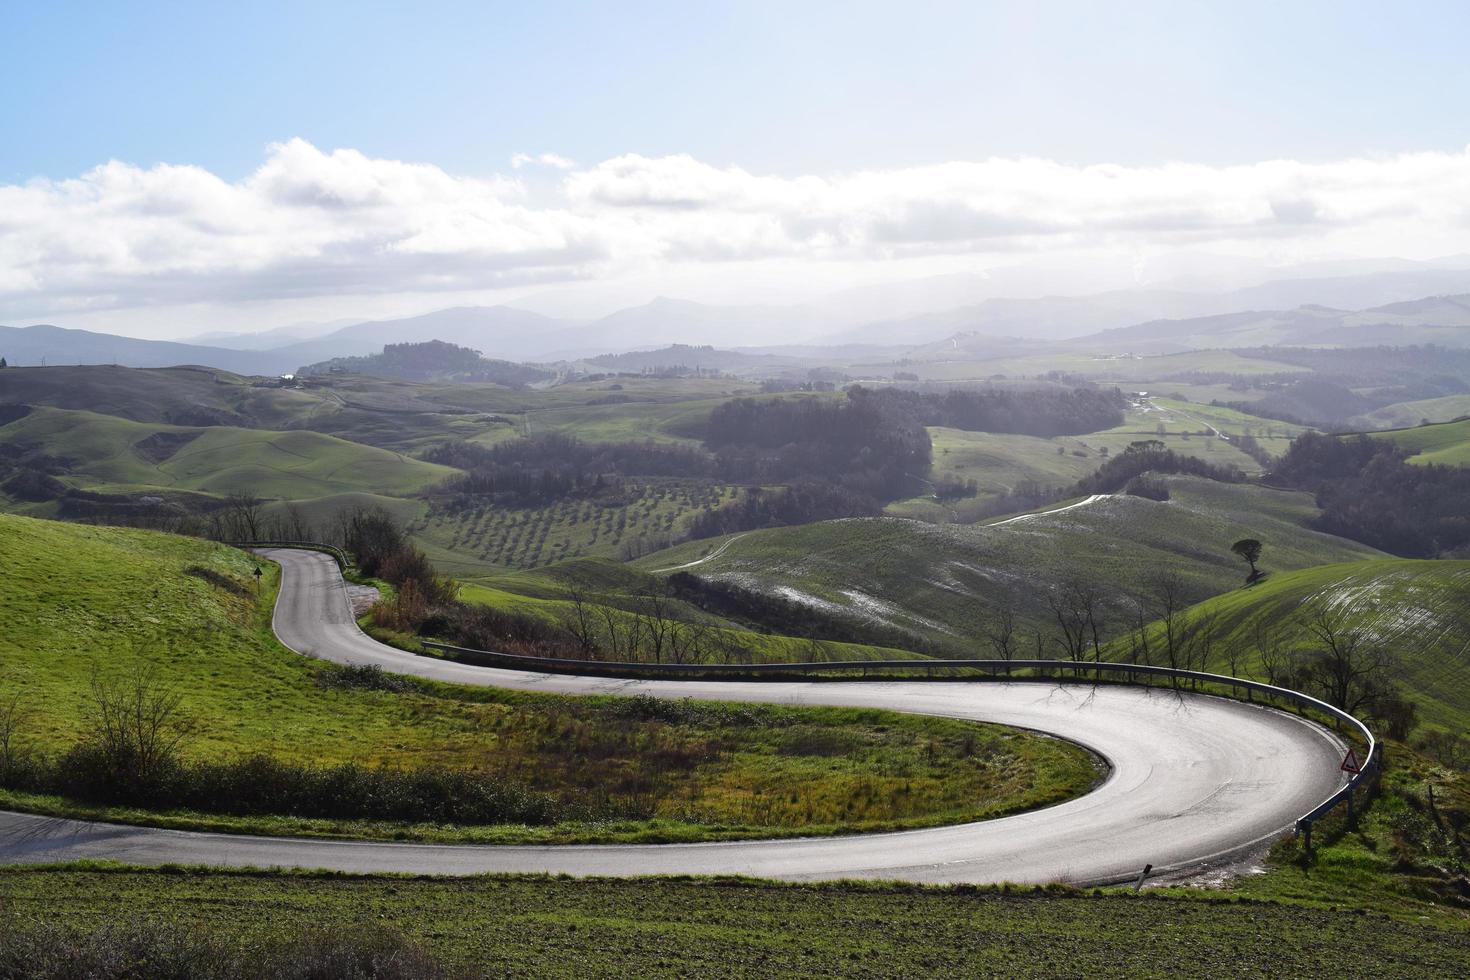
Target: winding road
1193, 780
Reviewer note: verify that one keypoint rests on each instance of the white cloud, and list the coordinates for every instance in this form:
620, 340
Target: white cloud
310, 223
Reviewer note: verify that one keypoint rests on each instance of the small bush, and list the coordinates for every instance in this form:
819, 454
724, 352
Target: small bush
363, 677
218, 580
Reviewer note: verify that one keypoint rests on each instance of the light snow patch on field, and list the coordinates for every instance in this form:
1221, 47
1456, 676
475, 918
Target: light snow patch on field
886, 612
806, 599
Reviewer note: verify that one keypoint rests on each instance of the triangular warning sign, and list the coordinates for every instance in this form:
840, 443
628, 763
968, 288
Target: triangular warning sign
1350, 762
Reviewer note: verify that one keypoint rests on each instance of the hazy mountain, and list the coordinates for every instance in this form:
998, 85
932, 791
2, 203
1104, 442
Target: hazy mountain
677, 321
1182, 272
495, 331
267, 339
1441, 320
704, 358
1065, 317
31, 346
433, 360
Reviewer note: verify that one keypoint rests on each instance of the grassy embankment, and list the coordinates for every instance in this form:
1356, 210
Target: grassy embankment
80, 600
528, 926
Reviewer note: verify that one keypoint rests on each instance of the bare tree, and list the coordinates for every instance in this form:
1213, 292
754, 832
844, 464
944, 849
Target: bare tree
1071, 618
13, 718
579, 621
1169, 598
1139, 646
657, 624
1350, 671
1200, 632
137, 724
297, 527
1002, 635
244, 514
1277, 662
619, 646
687, 642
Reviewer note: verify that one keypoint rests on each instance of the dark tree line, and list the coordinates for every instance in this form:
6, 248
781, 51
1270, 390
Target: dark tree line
1043, 412
801, 503
1369, 492
867, 443
552, 467
1151, 456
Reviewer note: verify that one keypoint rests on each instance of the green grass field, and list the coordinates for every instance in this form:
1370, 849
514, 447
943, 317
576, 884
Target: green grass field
115, 454
557, 927
1416, 609
1446, 443
948, 581
82, 600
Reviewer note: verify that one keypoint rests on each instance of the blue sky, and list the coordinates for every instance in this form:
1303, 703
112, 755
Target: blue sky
782, 87
167, 167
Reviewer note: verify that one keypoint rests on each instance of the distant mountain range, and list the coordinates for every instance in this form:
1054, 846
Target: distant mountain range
46, 344
1380, 307
1068, 317
1440, 320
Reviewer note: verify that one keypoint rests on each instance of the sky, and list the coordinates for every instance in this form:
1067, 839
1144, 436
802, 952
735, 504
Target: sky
172, 168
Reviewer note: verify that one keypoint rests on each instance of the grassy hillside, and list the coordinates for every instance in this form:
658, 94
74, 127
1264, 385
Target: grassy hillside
110, 453
999, 462
1405, 414
1417, 609
949, 581
1447, 443
83, 601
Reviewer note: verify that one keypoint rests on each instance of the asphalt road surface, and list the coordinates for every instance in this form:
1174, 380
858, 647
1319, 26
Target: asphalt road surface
1193, 780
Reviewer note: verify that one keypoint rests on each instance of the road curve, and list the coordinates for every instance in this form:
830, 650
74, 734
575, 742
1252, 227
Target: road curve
1193, 779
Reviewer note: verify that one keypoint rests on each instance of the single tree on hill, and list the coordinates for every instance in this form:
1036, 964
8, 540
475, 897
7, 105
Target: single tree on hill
1250, 550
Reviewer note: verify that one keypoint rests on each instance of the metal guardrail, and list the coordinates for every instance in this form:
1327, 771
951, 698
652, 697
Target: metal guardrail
993, 669
341, 556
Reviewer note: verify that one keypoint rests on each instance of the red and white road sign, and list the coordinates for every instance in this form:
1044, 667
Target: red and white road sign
1350, 762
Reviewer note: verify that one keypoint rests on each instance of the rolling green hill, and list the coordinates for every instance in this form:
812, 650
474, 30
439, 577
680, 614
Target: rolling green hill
1447, 443
110, 453
999, 463
949, 581
1417, 609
